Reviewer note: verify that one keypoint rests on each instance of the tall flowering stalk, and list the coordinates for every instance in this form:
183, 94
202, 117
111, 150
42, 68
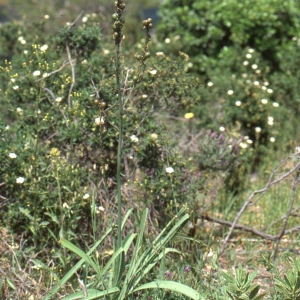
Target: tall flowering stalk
118, 37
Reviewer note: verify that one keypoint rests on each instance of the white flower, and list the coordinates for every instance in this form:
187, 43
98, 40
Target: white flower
210, 84
99, 209
20, 38
134, 138
297, 149
266, 83
230, 92
65, 205
58, 99
238, 103
12, 155
20, 180
254, 66
106, 51
44, 48
258, 71
99, 121
160, 54
6, 127
275, 104
263, 87
84, 62
167, 40
246, 63
256, 82
270, 91
46, 17
272, 139
244, 75
243, 145
45, 75
249, 141
176, 37
153, 72
257, 129
251, 50
84, 19
144, 96
271, 119
248, 55
85, 196
264, 101
222, 128
25, 52
36, 73
15, 87
169, 170
154, 136
19, 110
12, 80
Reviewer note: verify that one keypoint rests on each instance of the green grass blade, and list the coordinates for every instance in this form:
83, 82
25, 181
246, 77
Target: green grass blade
126, 217
75, 268
82, 254
91, 294
172, 286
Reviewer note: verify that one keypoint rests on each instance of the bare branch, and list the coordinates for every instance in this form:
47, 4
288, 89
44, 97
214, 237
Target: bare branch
253, 194
73, 75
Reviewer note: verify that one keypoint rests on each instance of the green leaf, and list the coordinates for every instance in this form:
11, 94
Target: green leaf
82, 254
91, 294
75, 268
171, 285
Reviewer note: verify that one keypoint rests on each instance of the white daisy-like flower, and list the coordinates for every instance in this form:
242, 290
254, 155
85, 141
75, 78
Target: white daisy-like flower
134, 138
243, 145
266, 83
153, 72
254, 66
272, 139
36, 73
25, 52
160, 54
248, 55
58, 99
15, 87
251, 50
20, 180
256, 82
246, 63
270, 91
84, 19
222, 128
12, 155
275, 104
257, 129
154, 136
106, 51
210, 84
297, 149
167, 40
238, 103
46, 17
264, 101
44, 48
99, 121
144, 96
169, 170
230, 92
86, 196
244, 75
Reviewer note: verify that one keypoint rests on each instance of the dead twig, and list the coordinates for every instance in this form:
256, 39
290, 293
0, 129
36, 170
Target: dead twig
262, 191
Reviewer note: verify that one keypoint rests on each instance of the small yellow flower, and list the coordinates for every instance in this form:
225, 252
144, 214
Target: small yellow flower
189, 116
54, 152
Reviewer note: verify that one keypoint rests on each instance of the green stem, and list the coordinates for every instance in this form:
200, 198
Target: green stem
119, 160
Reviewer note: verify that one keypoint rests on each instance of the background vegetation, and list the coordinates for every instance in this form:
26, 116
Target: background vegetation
211, 106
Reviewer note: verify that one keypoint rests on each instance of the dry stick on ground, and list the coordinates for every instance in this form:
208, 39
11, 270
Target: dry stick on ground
262, 192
